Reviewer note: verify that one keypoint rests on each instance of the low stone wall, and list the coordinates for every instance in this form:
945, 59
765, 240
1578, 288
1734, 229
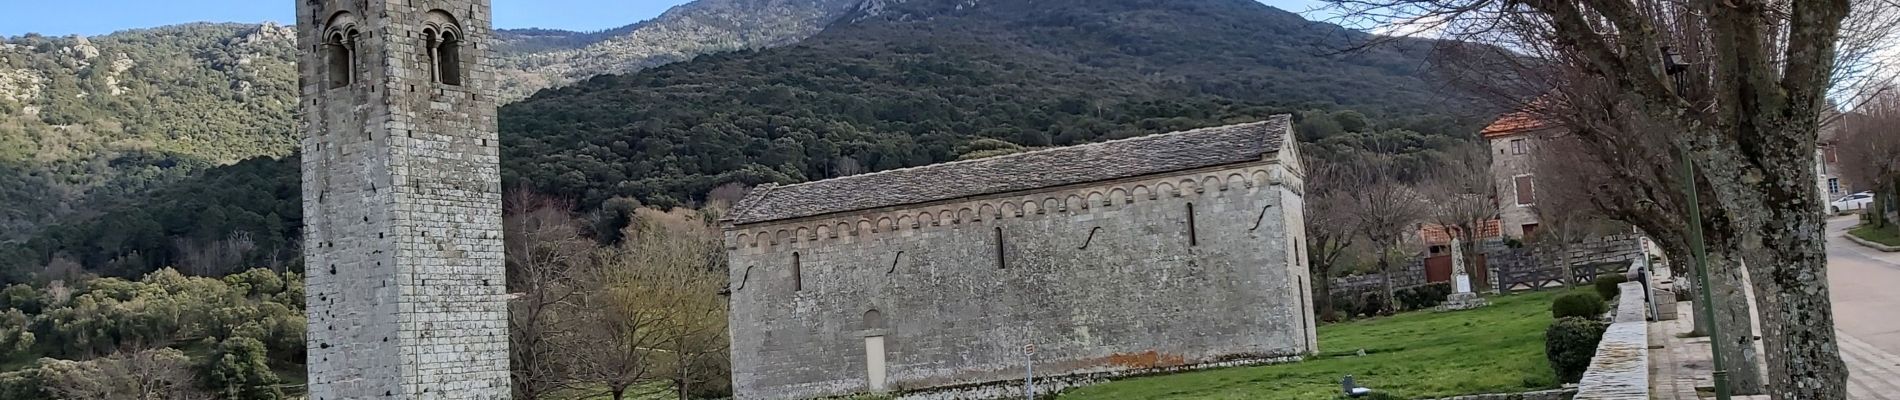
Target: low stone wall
1553, 394
1047, 387
1620, 369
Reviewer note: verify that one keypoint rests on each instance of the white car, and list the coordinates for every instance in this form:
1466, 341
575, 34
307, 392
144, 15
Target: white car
1853, 202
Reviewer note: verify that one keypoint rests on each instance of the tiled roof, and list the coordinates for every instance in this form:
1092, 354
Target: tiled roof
1512, 124
1022, 171
1435, 234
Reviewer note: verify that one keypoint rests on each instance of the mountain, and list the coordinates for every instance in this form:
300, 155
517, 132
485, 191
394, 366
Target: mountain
899, 84
886, 84
115, 115
535, 59
89, 119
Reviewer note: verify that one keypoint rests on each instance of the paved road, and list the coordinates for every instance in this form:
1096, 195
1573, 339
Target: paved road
1866, 289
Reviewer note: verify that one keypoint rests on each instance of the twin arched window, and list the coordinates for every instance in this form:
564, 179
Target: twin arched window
442, 42
339, 49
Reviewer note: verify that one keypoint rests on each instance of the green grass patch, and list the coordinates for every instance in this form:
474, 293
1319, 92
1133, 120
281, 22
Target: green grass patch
1421, 354
1887, 235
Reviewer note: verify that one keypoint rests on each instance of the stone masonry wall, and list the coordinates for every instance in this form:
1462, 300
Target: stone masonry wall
1506, 165
1109, 276
402, 207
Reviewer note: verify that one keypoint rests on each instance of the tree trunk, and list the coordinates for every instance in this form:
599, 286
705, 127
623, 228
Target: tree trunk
1323, 295
1790, 284
1387, 305
1737, 323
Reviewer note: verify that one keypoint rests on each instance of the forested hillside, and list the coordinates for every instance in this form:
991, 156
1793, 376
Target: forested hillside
115, 115
919, 81
889, 85
112, 116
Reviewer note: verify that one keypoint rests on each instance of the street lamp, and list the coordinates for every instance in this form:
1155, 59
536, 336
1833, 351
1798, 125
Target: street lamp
1676, 68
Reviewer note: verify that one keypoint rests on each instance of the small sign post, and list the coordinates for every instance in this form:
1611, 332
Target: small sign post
1029, 365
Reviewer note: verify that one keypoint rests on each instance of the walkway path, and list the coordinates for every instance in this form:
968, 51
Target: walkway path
1865, 286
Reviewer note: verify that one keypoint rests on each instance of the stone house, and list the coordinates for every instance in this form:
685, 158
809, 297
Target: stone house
1158, 252
1512, 138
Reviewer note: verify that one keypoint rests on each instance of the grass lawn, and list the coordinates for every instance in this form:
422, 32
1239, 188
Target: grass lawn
1889, 235
1420, 354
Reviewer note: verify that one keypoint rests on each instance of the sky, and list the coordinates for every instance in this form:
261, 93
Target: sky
96, 17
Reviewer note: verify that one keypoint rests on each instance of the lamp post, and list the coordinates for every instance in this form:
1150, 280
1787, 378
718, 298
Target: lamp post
1675, 67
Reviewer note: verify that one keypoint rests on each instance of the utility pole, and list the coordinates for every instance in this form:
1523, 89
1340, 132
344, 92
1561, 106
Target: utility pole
1673, 65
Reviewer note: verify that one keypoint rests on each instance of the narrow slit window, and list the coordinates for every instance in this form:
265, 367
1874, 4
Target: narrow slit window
1000, 263
1192, 239
798, 274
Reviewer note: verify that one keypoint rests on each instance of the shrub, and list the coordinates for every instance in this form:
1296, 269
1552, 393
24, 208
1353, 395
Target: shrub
1569, 344
1607, 285
1423, 296
1583, 304
239, 370
1372, 303
23, 384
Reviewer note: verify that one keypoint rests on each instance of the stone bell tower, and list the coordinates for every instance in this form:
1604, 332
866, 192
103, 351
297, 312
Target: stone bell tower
401, 201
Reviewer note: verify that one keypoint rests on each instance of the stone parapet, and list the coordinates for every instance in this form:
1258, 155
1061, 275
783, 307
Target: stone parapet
1620, 369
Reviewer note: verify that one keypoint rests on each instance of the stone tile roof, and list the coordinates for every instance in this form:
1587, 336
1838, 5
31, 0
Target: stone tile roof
1022, 171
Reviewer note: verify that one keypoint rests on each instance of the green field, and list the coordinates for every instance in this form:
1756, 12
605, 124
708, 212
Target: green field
1887, 235
1422, 354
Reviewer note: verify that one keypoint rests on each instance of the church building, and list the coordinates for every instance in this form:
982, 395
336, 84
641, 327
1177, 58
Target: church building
1161, 252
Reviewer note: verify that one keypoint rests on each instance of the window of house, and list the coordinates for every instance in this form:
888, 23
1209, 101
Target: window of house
1519, 147
1529, 229
1834, 185
798, 275
1526, 190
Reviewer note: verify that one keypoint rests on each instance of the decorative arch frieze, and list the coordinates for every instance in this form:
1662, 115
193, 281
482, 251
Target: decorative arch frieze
1031, 205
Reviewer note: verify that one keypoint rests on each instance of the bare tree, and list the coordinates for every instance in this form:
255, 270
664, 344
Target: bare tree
216, 257
547, 256
1463, 198
657, 315
1331, 226
161, 374
726, 195
1619, 179
1385, 210
1869, 147
1745, 108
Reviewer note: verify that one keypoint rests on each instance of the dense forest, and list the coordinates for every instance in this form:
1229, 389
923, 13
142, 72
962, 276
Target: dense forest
165, 336
907, 84
913, 84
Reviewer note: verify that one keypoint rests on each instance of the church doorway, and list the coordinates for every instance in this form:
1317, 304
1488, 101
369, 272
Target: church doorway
874, 362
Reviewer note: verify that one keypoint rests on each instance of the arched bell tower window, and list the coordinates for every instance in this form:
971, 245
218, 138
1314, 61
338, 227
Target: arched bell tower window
339, 50
442, 36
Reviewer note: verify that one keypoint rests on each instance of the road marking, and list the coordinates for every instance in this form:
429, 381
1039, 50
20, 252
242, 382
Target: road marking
1872, 371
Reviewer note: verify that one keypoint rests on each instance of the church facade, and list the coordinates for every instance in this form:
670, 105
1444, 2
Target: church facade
1165, 251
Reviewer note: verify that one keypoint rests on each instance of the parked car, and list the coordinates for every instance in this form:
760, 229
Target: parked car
1852, 202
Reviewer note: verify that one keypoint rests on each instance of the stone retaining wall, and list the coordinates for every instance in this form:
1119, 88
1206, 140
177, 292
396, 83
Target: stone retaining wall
1553, 394
1620, 369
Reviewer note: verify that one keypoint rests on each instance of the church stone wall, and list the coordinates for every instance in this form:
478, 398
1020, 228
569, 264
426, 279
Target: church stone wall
402, 205
1101, 277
